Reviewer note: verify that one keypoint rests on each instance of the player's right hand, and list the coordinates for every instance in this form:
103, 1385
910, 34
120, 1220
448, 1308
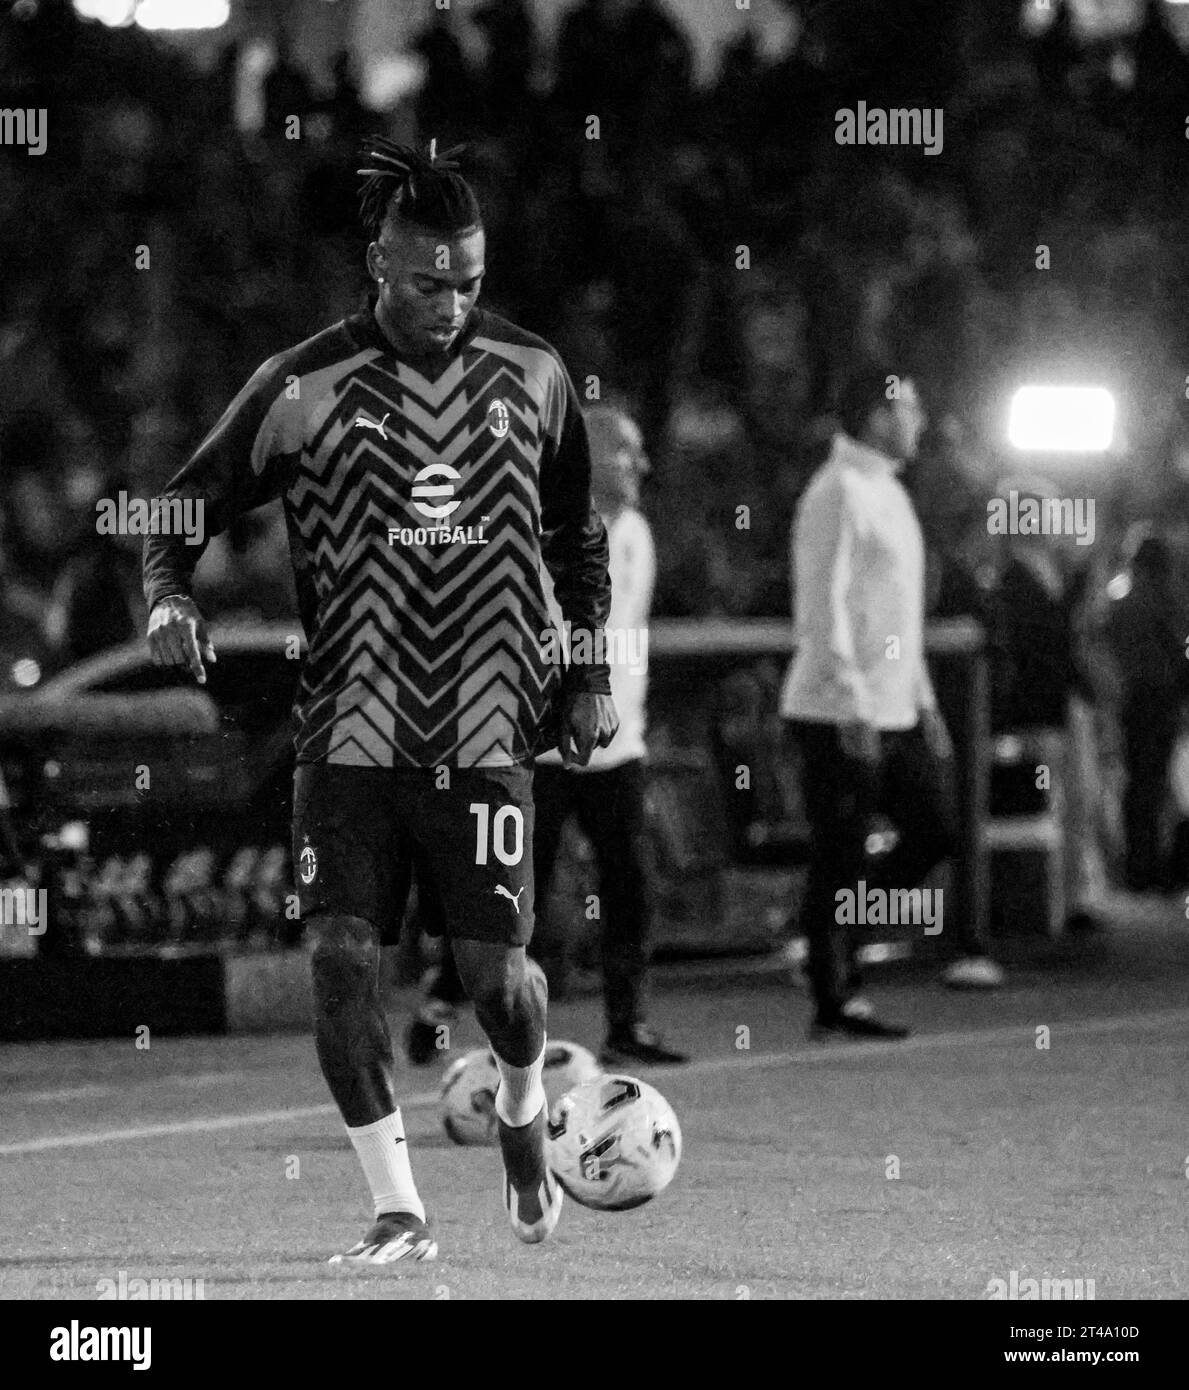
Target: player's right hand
859, 741
178, 636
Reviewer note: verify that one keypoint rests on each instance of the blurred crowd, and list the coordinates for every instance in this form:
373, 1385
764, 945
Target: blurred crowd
713, 258
708, 254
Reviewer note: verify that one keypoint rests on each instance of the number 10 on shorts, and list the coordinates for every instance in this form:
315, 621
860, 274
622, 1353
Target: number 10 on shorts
494, 830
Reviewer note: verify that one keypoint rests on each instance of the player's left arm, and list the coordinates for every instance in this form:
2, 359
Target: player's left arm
574, 549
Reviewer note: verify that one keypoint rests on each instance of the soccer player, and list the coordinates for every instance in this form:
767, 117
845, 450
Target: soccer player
430, 457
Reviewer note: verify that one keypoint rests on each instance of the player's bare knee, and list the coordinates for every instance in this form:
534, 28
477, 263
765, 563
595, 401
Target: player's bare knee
344, 956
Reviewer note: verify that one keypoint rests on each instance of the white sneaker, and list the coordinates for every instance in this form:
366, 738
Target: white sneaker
397, 1235
858, 1007
974, 972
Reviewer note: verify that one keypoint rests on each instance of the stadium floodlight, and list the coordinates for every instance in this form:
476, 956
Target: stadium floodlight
182, 14
110, 12
157, 14
1062, 419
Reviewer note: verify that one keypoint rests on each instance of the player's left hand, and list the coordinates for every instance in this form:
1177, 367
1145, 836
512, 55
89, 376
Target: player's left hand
587, 722
937, 736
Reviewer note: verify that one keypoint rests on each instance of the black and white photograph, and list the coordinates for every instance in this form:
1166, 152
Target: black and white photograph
594, 667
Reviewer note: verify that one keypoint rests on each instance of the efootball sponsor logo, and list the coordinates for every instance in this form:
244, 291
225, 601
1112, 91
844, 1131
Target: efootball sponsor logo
436, 482
438, 535
433, 495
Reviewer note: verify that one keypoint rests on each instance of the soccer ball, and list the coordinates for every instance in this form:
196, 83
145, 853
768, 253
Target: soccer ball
468, 1098
469, 1087
566, 1065
614, 1143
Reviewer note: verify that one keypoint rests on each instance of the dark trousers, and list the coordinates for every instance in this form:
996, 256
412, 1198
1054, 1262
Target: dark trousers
1149, 735
911, 786
609, 806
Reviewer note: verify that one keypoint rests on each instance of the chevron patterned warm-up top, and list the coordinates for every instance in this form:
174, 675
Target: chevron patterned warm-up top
422, 498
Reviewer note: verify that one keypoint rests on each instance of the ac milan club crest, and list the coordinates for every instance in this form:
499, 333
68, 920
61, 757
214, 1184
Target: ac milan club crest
498, 419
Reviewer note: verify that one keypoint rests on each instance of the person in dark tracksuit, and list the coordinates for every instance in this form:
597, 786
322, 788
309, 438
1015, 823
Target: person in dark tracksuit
1146, 635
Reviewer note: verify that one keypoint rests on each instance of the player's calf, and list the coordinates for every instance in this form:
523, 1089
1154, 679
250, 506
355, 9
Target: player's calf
510, 997
350, 1031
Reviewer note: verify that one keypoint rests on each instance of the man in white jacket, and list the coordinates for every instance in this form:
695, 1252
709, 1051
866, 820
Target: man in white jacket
857, 696
606, 795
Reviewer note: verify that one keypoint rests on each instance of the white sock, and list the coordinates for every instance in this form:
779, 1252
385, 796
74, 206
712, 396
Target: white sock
385, 1157
520, 1094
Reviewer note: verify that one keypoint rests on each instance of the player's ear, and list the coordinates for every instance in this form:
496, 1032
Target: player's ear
376, 261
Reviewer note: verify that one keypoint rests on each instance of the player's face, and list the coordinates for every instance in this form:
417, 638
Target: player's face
427, 285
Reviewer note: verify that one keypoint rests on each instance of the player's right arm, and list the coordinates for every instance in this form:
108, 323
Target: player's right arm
240, 465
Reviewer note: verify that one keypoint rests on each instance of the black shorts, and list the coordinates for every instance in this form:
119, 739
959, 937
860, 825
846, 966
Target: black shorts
361, 833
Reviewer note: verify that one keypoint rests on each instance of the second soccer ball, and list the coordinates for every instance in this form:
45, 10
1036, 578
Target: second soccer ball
470, 1083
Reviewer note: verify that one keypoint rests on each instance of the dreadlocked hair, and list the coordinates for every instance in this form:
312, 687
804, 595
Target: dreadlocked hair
425, 190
